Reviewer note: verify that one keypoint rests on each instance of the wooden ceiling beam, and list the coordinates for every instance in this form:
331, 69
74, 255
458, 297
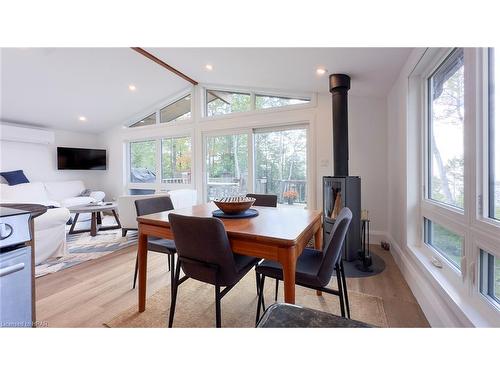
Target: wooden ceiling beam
163, 64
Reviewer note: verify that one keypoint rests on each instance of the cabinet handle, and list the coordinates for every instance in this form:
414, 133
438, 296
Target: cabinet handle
11, 269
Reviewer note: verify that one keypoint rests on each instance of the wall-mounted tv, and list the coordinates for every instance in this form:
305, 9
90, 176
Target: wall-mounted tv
81, 158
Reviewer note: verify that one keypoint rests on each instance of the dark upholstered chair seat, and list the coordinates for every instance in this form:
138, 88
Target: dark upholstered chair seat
161, 245
308, 265
244, 263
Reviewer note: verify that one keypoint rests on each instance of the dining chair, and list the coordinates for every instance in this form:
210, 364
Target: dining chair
204, 254
156, 244
315, 268
264, 200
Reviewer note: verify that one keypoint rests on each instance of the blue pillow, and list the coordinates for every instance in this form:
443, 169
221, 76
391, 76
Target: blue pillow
14, 177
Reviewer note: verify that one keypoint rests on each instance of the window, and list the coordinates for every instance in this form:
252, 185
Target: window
224, 102
178, 110
226, 165
266, 101
281, 165
143, 162
494, 141
176, 160
149, 120
447, 243
489, 270
446, 131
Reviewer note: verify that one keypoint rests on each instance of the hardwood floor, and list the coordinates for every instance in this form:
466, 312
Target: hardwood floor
93, 292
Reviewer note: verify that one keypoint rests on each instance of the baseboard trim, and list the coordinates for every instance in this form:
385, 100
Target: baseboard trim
436, 307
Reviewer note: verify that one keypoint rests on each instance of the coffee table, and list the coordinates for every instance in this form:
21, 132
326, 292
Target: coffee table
96, 217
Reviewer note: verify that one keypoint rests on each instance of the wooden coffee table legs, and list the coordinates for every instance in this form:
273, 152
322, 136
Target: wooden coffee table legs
95, 224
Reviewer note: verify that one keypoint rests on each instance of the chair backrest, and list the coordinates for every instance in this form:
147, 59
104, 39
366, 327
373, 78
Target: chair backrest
204, 249
333, 249
266, 200
153, 205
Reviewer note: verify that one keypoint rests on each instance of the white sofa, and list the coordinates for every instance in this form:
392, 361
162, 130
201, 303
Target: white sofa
50, 229
181, 198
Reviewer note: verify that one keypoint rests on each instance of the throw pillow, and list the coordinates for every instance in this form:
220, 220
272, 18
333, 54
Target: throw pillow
15, 177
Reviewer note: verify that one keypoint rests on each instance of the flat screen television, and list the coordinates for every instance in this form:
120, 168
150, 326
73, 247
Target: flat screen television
81, 158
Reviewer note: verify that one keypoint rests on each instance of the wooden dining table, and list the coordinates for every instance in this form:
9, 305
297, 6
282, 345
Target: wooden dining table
277, 233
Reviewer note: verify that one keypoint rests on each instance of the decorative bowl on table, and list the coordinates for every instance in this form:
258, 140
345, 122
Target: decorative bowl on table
234, 205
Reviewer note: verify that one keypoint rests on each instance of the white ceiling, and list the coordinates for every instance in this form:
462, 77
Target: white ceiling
373, 70
54, 86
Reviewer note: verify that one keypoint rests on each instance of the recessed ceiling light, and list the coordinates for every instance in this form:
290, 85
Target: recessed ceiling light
209, 67
321, 71
132, 87
82, 118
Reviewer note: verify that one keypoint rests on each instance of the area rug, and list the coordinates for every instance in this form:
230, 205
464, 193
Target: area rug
196, 306
83, 247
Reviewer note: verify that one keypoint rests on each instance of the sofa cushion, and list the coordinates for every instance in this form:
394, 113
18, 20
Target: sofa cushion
15, 177
32, 192
60, 190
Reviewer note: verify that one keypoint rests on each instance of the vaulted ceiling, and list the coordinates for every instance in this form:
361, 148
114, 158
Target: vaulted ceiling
53, 87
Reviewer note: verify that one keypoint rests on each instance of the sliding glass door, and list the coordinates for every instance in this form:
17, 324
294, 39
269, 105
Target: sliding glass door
262, 160
226, 165
280, 162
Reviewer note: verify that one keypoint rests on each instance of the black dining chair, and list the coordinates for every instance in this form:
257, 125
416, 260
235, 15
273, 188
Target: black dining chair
315, 268
264, 200
204, 254
158, 245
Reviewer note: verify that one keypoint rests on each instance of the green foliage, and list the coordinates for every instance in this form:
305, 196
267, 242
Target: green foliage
176, 156
447, 242
233, 102
143, 155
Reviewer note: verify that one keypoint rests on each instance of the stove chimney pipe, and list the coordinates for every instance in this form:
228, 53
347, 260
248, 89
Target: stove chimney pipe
339, 85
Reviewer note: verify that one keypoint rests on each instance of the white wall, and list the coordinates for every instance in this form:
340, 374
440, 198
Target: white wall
39, 161
367, 142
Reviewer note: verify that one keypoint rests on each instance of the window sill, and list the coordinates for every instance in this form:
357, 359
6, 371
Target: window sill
467, 310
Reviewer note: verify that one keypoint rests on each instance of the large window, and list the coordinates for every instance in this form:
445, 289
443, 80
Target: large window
447, 243
143, 162
178, 110
176, 160
221, 102
489, 268
267, 101
224, 102
446, 131
169, 158
281, 165
226, 165
494, 140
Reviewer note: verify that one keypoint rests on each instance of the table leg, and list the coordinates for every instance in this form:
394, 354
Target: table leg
93, 224
288, 261
142, 254
318, 244
75, 219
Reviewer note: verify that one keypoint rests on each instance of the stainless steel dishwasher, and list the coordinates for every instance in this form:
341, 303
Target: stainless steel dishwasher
15, 269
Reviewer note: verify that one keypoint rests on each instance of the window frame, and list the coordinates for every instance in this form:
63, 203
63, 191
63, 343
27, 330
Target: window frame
477, 231
253, 110
156, 109
158, 185
428, 133
171, 102
249, 130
